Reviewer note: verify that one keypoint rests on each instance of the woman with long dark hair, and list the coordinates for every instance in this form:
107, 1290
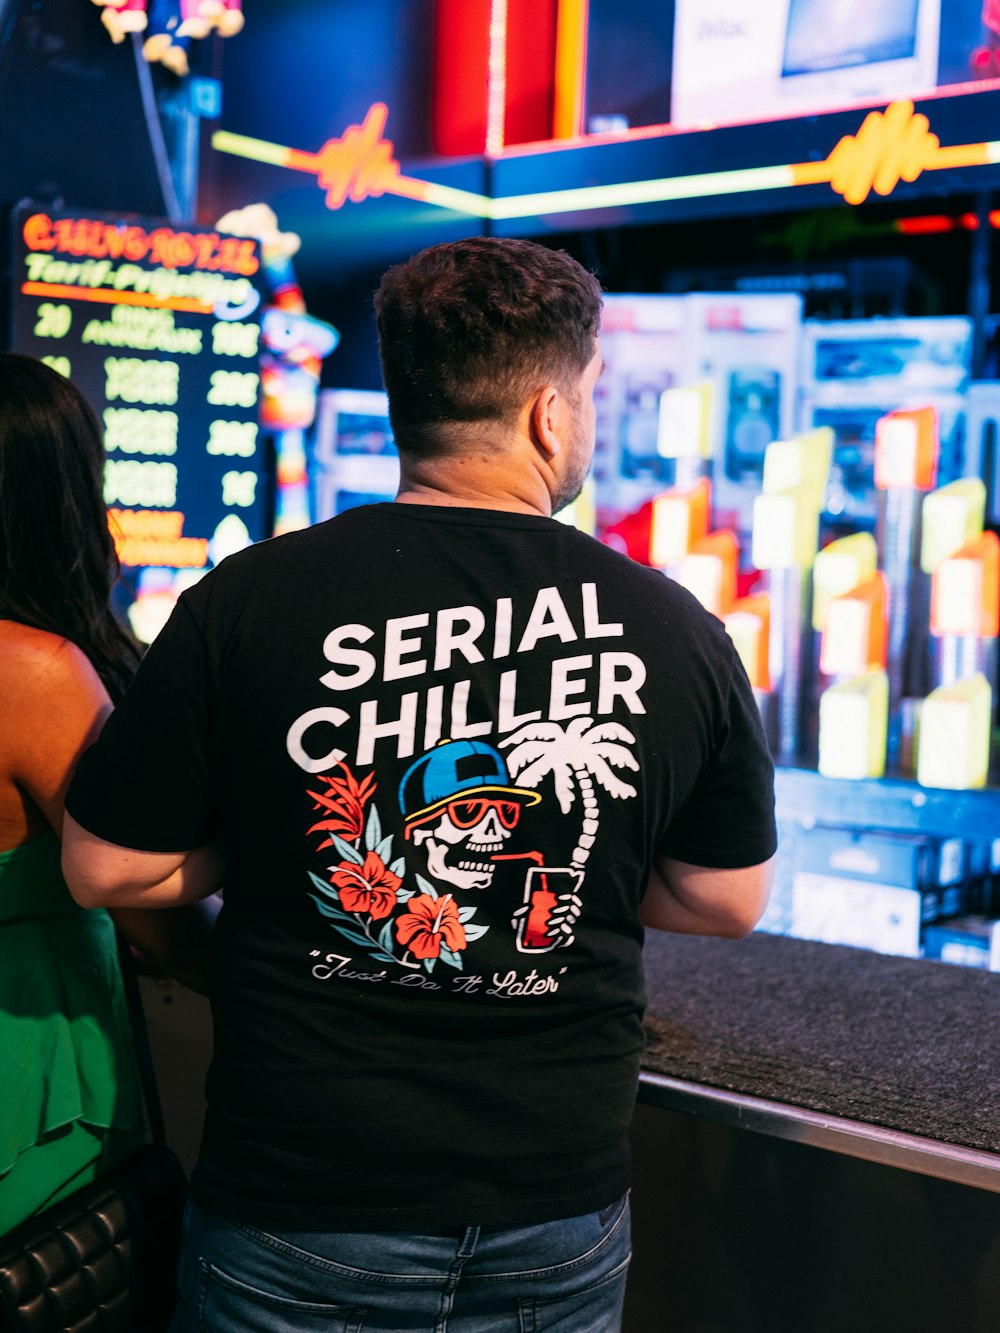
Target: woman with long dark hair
70, 1105
57, 558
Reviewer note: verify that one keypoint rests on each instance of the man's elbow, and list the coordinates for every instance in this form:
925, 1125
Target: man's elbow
746, 911
701, 900
739, 921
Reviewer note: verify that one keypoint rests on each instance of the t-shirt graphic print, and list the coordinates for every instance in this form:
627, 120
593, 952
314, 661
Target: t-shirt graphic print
411, 898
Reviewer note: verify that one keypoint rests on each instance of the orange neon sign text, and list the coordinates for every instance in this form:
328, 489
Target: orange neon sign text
165, 525
144, 537
171, 249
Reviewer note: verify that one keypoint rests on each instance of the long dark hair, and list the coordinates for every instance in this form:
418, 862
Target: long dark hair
57, 557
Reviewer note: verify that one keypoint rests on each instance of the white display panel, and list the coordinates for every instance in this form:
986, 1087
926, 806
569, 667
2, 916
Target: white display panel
354, 454
740, 60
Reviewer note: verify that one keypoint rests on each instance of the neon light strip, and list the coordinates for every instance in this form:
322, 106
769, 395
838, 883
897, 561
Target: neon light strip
643, 192
496, 96
105, 297
571, 59
239, 145
459, 201
741, 181
407, 187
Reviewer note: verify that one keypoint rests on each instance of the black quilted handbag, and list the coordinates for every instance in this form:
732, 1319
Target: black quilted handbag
104, 1259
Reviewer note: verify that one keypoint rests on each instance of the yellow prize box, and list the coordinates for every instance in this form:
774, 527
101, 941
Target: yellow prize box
955, 725
853, 719
785, 530
952, 518
906, 449
683, 425
803, 461
680, 520
854, 631
841, 566
709, 571
965, 593
748, 624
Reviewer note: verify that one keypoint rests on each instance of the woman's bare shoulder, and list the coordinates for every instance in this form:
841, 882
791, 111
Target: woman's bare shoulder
34, 662
52, 706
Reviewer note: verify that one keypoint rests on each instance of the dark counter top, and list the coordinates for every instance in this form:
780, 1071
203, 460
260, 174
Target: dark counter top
903, 1045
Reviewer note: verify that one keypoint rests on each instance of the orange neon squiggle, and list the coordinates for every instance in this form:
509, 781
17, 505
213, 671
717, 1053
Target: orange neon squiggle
891, 146
359, 165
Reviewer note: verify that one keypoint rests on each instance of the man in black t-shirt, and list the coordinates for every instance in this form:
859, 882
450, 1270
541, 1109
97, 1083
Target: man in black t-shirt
448, 757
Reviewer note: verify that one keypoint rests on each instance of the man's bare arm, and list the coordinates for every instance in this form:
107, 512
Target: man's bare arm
102, 874
701, 900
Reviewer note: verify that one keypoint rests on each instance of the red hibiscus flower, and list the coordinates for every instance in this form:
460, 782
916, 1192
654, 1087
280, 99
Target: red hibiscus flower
429, 922
345, 802
369, 888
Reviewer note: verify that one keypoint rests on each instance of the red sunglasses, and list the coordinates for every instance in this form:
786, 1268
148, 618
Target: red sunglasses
468, 812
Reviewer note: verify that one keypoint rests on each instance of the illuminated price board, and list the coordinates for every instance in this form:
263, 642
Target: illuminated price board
158, 326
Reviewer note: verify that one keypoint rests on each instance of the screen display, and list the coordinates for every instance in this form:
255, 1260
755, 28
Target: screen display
834, 34
158, 327
741, 60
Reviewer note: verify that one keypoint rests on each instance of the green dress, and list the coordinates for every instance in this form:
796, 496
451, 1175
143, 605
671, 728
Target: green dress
70, 1103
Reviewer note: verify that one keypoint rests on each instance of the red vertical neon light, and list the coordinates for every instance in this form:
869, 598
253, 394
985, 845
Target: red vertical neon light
531, 65
462, 69
461, 77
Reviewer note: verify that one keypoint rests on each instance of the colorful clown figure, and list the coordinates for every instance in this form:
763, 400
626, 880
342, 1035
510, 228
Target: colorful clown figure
201, 17
198, 17
294, 343
121, 17
459, 805
163, 43
231, 20
174, 24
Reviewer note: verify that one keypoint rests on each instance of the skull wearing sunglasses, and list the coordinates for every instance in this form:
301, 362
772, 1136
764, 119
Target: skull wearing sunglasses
462, 842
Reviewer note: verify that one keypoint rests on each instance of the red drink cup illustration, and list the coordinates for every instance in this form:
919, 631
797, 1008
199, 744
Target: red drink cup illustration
537, 932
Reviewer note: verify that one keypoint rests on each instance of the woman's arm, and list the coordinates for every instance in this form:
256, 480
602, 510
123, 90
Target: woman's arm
54, 708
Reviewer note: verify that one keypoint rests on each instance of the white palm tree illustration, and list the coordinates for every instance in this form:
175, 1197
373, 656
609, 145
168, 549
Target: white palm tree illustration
574, 756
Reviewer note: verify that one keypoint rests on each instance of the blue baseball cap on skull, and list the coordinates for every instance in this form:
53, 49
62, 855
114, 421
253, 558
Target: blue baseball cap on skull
456, 768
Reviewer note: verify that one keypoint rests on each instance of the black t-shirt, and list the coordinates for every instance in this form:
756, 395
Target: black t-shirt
442, 747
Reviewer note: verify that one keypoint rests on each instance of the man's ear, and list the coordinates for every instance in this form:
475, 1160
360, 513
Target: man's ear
545, 420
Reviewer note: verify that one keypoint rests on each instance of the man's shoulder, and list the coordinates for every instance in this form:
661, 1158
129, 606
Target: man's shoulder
266, 572
290, 548
659, 592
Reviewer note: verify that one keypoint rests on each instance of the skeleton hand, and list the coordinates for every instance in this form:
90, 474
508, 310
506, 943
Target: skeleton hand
559, 925
562, 917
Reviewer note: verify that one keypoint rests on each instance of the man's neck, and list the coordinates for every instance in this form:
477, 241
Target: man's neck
461, 487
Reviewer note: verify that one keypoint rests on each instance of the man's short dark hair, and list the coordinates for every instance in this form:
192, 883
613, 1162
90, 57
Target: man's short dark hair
469, 329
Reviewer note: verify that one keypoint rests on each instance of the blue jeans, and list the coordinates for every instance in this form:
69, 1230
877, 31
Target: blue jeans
560, 1277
